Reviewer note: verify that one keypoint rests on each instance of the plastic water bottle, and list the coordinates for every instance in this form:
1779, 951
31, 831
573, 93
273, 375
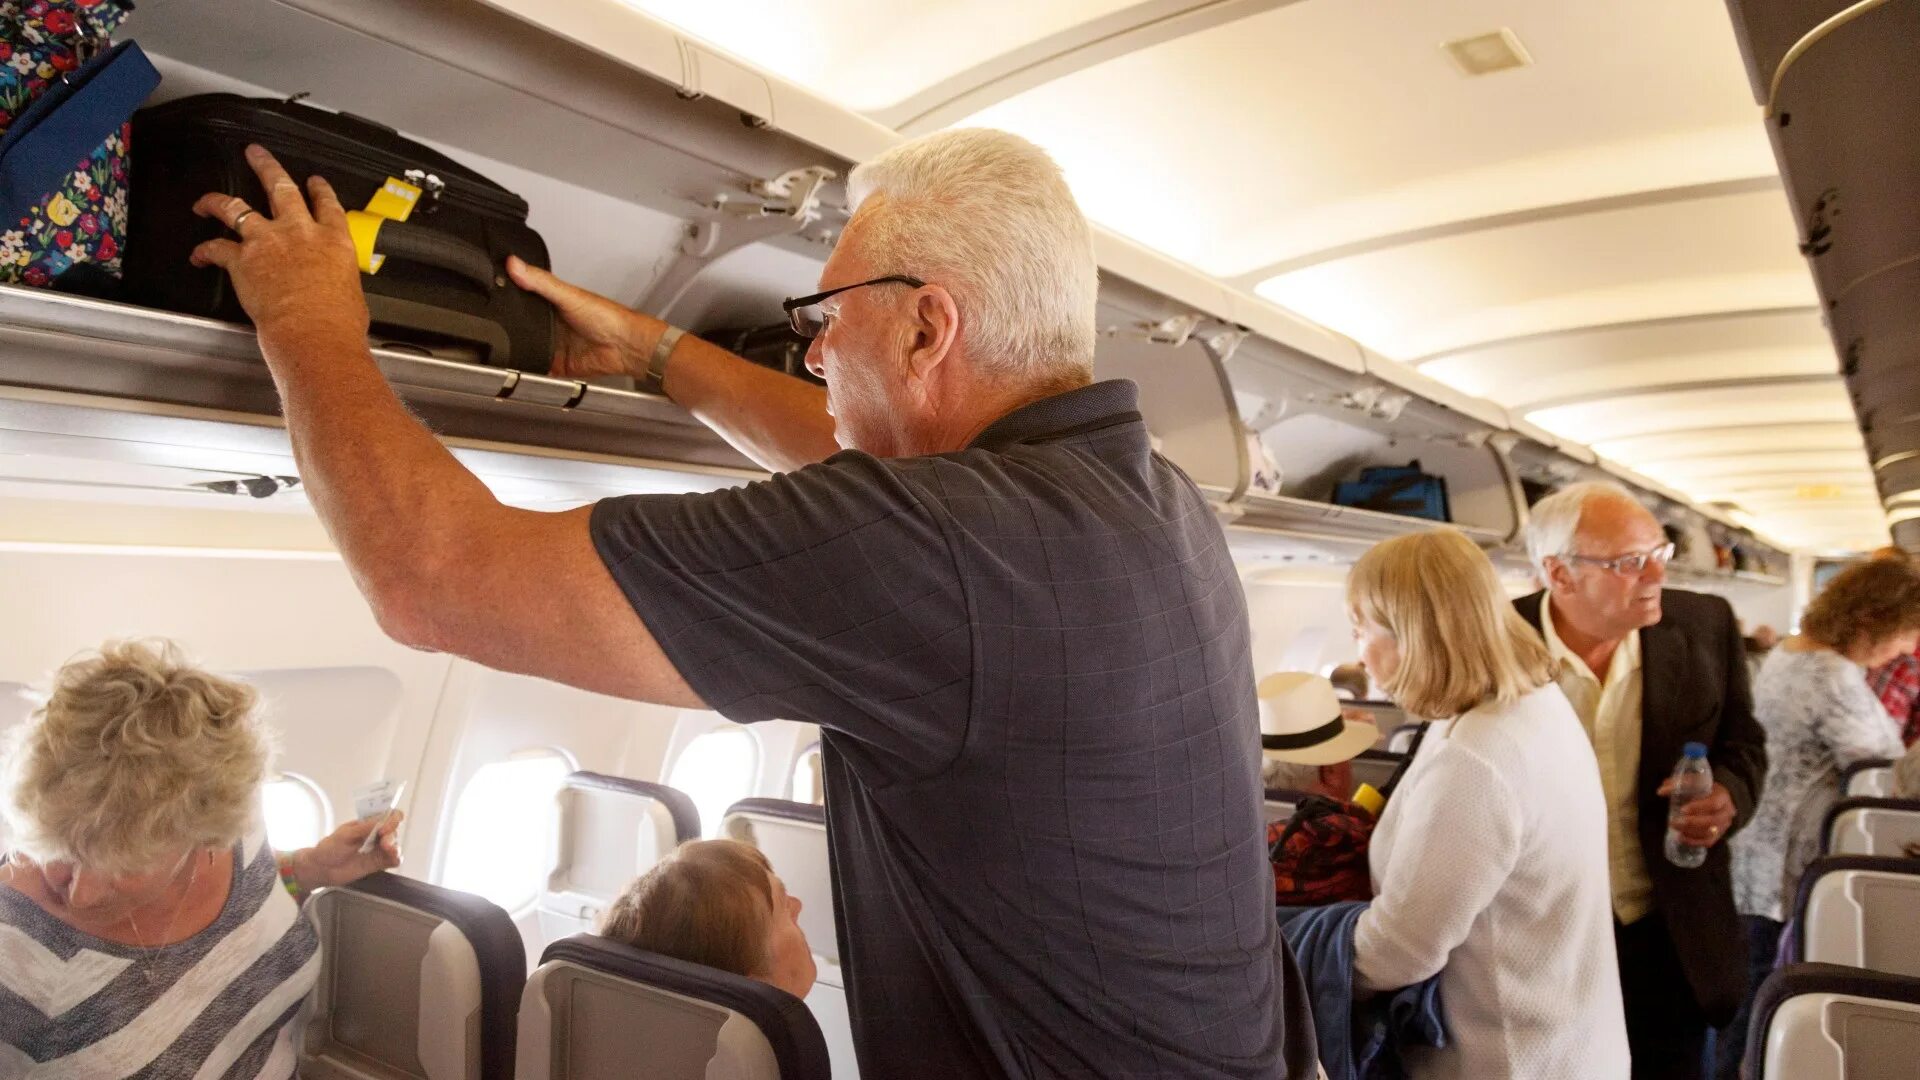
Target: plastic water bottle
1692, 779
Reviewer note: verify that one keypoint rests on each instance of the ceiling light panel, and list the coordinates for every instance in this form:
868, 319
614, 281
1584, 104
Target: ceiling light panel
1162, 145
869, 54
1648, 414
1722, 254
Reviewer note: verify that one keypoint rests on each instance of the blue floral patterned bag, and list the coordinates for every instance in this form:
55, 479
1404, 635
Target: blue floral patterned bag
65, 99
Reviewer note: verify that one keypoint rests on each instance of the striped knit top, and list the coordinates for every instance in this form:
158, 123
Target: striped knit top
216, 1006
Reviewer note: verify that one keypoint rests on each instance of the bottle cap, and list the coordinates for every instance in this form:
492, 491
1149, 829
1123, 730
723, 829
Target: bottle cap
1695, 750
1367, 798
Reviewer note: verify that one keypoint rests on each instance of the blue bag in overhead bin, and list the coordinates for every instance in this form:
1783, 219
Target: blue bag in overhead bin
1397, 489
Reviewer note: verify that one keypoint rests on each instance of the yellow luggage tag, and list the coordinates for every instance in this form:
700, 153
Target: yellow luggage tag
394, 201
1367, 798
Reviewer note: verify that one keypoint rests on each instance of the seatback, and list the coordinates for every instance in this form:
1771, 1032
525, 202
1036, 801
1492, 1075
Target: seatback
417, 982
793, 836
1860, 911
1868, 826
612, 830
1280, 804
1824, 1022
1868, 779
599, 1010
1377, 767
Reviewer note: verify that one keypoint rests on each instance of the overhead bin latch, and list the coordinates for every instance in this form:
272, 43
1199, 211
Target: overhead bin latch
786, 205
1378, 402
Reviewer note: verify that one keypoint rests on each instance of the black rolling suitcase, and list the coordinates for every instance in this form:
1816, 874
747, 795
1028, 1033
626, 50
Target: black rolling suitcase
440, 282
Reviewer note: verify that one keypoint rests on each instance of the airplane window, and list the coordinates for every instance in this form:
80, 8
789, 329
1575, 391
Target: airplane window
716, 770
297, 812
806, 776
502, 828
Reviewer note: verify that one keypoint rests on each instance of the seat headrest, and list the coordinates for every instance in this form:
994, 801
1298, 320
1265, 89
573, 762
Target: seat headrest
1834, 864
1796, 980
1847, 773
496, 942
782, 1018
1859, 802
686, 816
781, 808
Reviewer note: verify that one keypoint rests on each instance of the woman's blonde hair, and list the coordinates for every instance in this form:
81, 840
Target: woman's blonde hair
1461, 642
709, 902
136, 756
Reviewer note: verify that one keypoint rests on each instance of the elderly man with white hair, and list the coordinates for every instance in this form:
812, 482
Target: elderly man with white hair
1019, 628
1648, 670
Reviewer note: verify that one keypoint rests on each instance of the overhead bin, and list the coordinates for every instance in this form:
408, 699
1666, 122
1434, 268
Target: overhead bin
1834, 79
142, 388
1844, 124
590, 98
1767, 29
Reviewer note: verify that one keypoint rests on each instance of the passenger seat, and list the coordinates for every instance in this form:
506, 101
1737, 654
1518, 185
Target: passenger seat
1860, 911
1867, 826
1280, 804
1872, 778
793, 836
600, 1010
1824, 1022
612, 830
416, 982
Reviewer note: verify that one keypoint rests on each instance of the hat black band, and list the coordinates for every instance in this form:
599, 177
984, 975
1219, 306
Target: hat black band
1303, 739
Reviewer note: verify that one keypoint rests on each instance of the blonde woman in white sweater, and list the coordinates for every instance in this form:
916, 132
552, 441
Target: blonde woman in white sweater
1490, 863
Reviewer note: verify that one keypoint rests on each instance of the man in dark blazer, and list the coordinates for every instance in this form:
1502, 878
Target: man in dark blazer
1650, 669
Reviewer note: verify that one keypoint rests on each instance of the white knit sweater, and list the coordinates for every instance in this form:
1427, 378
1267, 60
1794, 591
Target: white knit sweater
1490, 867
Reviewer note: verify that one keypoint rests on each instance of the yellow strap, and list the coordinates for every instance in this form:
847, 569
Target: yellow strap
365, 230
395, 199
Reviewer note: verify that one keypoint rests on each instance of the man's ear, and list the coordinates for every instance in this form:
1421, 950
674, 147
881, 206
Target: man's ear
1559, 576
935, 325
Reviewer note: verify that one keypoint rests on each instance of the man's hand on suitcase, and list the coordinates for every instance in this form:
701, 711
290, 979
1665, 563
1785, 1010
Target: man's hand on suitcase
597, 336
293, 268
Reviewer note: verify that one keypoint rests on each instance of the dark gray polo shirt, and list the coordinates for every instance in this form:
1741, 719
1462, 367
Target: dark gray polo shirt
1030, 663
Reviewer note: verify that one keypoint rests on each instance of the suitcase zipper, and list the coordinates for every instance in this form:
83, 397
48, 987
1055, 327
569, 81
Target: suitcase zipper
458, 190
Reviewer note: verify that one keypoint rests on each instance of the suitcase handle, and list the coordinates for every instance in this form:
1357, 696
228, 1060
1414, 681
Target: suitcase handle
430, 247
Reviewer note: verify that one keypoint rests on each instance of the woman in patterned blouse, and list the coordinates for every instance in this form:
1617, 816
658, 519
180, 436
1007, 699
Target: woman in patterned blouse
1813, 699
143, 925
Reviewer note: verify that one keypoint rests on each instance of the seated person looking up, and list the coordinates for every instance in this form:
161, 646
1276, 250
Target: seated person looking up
143, 927
717, 903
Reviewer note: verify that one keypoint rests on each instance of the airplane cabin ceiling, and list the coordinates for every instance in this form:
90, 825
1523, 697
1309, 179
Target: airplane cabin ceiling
1598, 241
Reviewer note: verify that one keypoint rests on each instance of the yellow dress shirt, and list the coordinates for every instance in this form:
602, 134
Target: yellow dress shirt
1610, 712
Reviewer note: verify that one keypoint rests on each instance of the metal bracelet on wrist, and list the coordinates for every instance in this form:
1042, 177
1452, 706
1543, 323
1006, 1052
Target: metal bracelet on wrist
655, 379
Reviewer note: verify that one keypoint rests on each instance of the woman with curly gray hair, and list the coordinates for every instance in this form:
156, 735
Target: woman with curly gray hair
143, 924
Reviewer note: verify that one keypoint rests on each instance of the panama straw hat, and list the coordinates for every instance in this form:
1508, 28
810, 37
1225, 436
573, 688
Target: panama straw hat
1300, 721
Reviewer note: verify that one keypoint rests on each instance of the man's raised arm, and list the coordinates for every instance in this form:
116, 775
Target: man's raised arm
443, 563
778, 421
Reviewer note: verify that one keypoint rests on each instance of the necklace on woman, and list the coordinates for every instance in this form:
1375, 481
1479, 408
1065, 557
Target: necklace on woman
145, 964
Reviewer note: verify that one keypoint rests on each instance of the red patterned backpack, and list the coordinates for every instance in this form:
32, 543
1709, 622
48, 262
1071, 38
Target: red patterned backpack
1319, 855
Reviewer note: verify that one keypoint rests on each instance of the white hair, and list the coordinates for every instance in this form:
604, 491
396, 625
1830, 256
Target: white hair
1553, 522
137, 756
988, 215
